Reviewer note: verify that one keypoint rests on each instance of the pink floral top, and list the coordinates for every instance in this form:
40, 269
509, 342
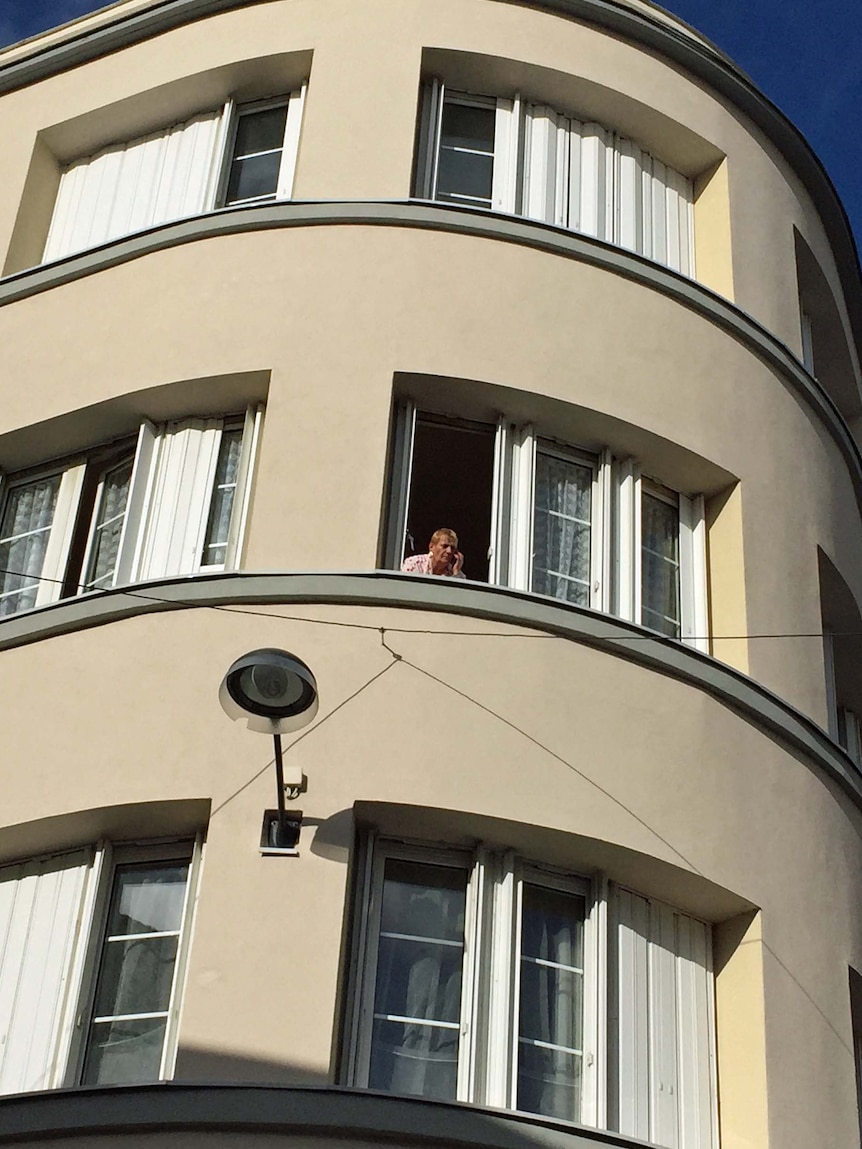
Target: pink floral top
421, 564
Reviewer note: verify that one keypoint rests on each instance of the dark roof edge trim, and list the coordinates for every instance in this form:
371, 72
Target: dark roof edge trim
464, 221
779, 720
695, 55
327, 1112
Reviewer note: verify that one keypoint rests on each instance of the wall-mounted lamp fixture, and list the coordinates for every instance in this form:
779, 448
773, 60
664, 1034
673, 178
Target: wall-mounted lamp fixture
275, 693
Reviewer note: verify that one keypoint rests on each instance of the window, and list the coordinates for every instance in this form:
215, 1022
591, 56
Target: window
244, 154
93, 947
488, 979
544, 516
172, 502
525, 158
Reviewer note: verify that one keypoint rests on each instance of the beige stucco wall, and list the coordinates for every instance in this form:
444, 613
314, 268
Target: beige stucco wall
361, 147
544, 747
592, 747
332, 347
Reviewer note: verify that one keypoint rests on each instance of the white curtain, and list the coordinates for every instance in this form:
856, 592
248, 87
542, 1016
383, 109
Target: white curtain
584, 177
185, 473
562, 529
128, 187
664, 1039
24, 535
40, 906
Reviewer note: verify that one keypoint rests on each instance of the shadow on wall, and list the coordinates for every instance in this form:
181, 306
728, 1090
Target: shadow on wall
215, 1066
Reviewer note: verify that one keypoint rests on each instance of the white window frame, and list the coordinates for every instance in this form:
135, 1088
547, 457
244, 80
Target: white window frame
152, 498
487, 1066
577, 175
617, 492
294, 102
83, 947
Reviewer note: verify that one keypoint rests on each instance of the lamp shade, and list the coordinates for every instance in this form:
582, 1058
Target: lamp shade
273, 690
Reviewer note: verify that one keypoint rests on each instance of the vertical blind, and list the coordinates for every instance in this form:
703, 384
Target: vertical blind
584, 177
557, 169
40, 910
665, 1069
125, 188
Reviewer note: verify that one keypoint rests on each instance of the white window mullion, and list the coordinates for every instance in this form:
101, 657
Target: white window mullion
500, 1041
290, 147
692, 556
217, 182
474, 961
628, 535
430, 117
177, 995
140, 489
595, 1061
505, 173
245, 477
403, 432
501, 502
523, 482
60, 539
603, 548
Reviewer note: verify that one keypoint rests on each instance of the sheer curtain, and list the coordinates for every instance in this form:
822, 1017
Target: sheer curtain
24, 534
417, 1002
551, 1003
660, 598
562, 529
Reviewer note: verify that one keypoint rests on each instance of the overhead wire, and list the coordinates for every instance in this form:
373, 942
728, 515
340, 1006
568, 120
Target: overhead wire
264, 613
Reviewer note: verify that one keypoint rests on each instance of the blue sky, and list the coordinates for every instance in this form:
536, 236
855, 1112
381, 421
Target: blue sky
806, 55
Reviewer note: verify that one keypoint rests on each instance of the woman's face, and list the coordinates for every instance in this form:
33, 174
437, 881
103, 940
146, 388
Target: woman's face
443, 553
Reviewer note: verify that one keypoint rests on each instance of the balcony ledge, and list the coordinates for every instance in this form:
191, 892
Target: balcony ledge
326, 1112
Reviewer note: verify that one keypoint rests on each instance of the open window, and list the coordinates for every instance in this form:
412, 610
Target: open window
523, 157
172, 501
842, 659
486, 978
545, 516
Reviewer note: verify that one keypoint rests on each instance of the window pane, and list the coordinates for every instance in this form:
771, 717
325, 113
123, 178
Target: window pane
550, 1014
549, 1082
136, 973
147, 899
108, 525
417, 1059
260, 131
221, 506
253, 178
418, 979
660, 565
562, 529
136, 976
24, 532
123, 1052
465, 165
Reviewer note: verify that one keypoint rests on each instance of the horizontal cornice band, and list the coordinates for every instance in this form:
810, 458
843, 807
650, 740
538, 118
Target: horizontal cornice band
463, 221
691, 52
326, 1112
772, 715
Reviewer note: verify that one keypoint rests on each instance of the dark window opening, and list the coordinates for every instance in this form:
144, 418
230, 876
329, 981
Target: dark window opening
451, 486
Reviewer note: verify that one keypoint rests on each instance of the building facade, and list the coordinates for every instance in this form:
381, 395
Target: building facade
286, 286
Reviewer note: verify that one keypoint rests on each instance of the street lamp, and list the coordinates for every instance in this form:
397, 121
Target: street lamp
275, 693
